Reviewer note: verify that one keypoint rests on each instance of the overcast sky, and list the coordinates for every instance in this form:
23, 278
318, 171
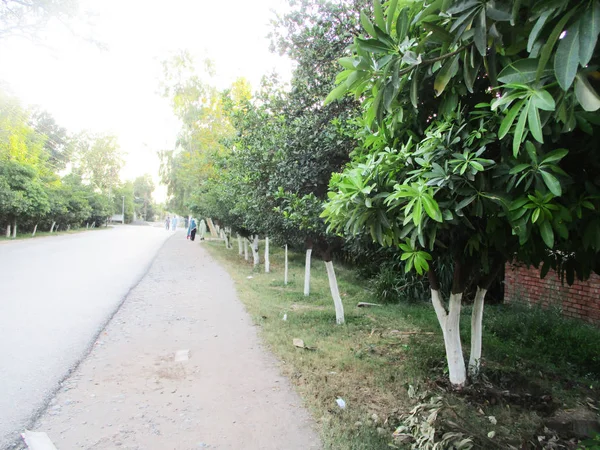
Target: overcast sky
115, 90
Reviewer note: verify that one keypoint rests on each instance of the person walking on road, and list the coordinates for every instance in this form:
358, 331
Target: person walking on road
174, 223
191, 233
202, 229
167, 223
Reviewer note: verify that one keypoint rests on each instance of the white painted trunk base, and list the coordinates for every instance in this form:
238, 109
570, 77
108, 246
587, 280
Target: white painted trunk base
240, 246
450, 321
285, 270
8, 230
52, 227
34, 230
267, 263
476, 328
14, 231
246, 249
255, 253
307, 272
335, 293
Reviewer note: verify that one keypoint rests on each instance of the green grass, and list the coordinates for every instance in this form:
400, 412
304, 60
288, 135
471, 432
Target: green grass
369, 362
39, 234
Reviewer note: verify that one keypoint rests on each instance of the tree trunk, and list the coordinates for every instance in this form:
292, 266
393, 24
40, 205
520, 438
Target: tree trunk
285, 271
52, 227
335, 293
307, 272
450, 324
8, 231
240, 246
57, 227
246, 249
14, 231
34, 230
476, 328
211, 227
267, 262
94, 224
87, 225
255, 253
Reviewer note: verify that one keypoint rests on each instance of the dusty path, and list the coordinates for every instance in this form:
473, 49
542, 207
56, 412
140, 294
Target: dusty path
130, 393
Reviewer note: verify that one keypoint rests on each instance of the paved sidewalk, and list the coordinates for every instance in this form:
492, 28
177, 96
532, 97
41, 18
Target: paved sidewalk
130, 393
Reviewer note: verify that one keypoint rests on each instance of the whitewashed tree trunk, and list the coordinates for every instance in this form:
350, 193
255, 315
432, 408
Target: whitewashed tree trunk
285, 271
246, 249
57, 227
307, 272
255, 253
87, 225
335, 293
267, 262
14, 231
476, 329
450, 321
211, 227
52, 227
8, 230
69, 227
240, 246
94, 224
34, 230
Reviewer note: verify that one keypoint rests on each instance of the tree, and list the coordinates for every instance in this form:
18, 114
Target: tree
476, 118
25, 18
100, 160
143, 187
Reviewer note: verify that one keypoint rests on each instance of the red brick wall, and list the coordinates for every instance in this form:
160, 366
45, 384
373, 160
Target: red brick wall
581, 300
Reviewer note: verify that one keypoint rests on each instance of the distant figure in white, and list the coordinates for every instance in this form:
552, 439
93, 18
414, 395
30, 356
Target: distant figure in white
202, 229
167, 223
174, 223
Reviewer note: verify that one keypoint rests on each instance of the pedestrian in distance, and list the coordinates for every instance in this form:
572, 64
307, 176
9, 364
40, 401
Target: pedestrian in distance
174, 223
191, 233
202, 229
167, 223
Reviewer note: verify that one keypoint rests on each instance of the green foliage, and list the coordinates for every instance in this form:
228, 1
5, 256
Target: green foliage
480, 133
393, 286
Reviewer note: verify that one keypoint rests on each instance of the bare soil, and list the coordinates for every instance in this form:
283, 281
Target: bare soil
131, 393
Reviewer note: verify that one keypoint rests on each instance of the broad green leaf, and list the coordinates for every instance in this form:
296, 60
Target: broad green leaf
535, 215
519, 168
402, 24
414, 88
448, 70
497, 14
469, 73
543, 100
535, 31
522, 71
336, 94
549, 45
438, 32
547, 233
466, 202
588, 33
555, 155
391, 12
552, 183
509, 119
566, 60
417, 212
480, 36
515, 11
533, 120
586, 95
432, 209
347, 63
461, 6
372, 45
518, 137
367, 24
377, 9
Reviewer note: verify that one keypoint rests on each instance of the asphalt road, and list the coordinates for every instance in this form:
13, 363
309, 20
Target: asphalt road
56, 295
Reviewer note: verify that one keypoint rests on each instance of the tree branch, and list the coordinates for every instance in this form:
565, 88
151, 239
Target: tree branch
433, 60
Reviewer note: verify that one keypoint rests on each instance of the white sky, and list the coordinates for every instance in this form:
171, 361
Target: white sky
116, 90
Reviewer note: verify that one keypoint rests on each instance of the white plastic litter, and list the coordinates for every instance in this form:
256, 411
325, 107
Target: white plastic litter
182, 355
341, 403
285, 317
37, 440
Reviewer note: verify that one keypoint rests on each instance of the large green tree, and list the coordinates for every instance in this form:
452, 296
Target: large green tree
479, 143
